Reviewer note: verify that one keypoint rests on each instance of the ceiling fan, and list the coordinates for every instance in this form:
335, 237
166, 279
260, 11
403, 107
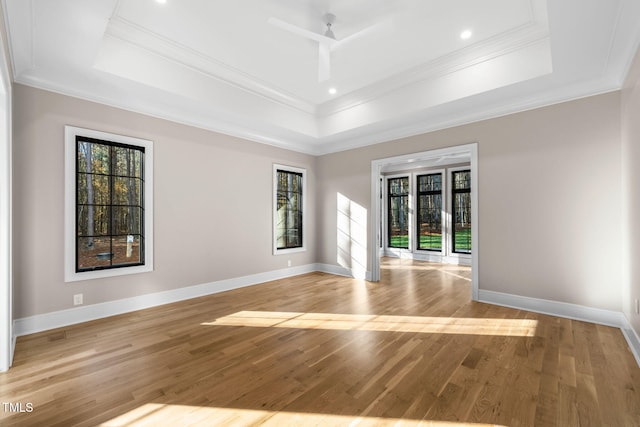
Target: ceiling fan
326, 42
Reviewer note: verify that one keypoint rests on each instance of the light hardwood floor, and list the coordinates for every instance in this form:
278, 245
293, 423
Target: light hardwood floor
323, 350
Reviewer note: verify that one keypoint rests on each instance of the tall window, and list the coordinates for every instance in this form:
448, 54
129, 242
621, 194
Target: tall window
461, 211
108, 204
289, 208
398, 218
429, 222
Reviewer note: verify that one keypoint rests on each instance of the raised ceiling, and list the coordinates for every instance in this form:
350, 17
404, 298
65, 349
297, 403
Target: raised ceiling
400, 68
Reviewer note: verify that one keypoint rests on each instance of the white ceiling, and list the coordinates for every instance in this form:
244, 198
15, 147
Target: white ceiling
402, 70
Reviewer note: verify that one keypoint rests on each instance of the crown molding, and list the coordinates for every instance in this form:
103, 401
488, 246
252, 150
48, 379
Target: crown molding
19, 24
431, 122
500, 45
297, 143
128, 32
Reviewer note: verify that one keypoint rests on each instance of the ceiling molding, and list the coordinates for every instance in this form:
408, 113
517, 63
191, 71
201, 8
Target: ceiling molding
128, 32
625, 40
475, 54
124, 58
19, 19
292, 143
420, 125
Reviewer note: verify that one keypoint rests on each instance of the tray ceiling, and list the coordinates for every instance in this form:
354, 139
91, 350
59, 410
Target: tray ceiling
400, 67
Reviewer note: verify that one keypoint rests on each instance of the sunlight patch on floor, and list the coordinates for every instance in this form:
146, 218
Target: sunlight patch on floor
366, 322
153, 414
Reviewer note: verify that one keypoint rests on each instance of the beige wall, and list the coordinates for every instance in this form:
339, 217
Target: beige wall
212, 207
631, 188
549, 198
548, 187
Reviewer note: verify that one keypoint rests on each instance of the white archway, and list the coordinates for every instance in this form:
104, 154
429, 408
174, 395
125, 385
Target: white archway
377, 167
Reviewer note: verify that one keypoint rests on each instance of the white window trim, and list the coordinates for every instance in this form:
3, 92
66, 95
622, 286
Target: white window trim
293, 169
70, 274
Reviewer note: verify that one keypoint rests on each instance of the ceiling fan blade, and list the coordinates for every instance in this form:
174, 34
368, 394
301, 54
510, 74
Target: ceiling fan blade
387, 24
324, 62
323, 40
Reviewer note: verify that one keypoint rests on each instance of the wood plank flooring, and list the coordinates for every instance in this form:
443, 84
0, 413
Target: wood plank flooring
324, 350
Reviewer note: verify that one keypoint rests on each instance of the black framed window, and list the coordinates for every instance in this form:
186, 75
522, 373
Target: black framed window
429, 207
289, 209
109, 205
398, 212
461, 211
381, 212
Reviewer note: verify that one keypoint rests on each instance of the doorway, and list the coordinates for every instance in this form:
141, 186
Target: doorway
393, 166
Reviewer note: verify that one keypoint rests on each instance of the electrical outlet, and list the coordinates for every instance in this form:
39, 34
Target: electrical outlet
289, 263
77, 299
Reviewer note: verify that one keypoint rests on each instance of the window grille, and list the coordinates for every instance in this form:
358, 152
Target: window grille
109, 204
429, 223
398, 218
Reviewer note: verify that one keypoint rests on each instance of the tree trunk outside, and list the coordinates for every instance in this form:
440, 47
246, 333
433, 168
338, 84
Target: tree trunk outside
87, 147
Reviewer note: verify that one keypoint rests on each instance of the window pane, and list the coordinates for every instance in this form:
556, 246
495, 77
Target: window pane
93, 157
93, 189
431, 182
93, 220
109, 204
94, 252
429, 210
462, 180
430, 222
127, 161
126, 249
126, 220
127, 191
461, 212
398, 221
289, 210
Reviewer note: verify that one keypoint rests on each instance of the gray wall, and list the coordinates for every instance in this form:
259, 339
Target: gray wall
212, 207
631, 187
549, 198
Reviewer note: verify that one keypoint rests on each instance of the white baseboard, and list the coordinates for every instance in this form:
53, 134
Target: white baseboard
570, 311
634, 341
43, 322
454, 259
343, 271
57, 319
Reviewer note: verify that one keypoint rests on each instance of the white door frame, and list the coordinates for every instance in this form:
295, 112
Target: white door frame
6, 295
376, 173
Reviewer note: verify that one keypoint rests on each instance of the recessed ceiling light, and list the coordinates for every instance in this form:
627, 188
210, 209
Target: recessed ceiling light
333, 90
161, 1
466, 34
